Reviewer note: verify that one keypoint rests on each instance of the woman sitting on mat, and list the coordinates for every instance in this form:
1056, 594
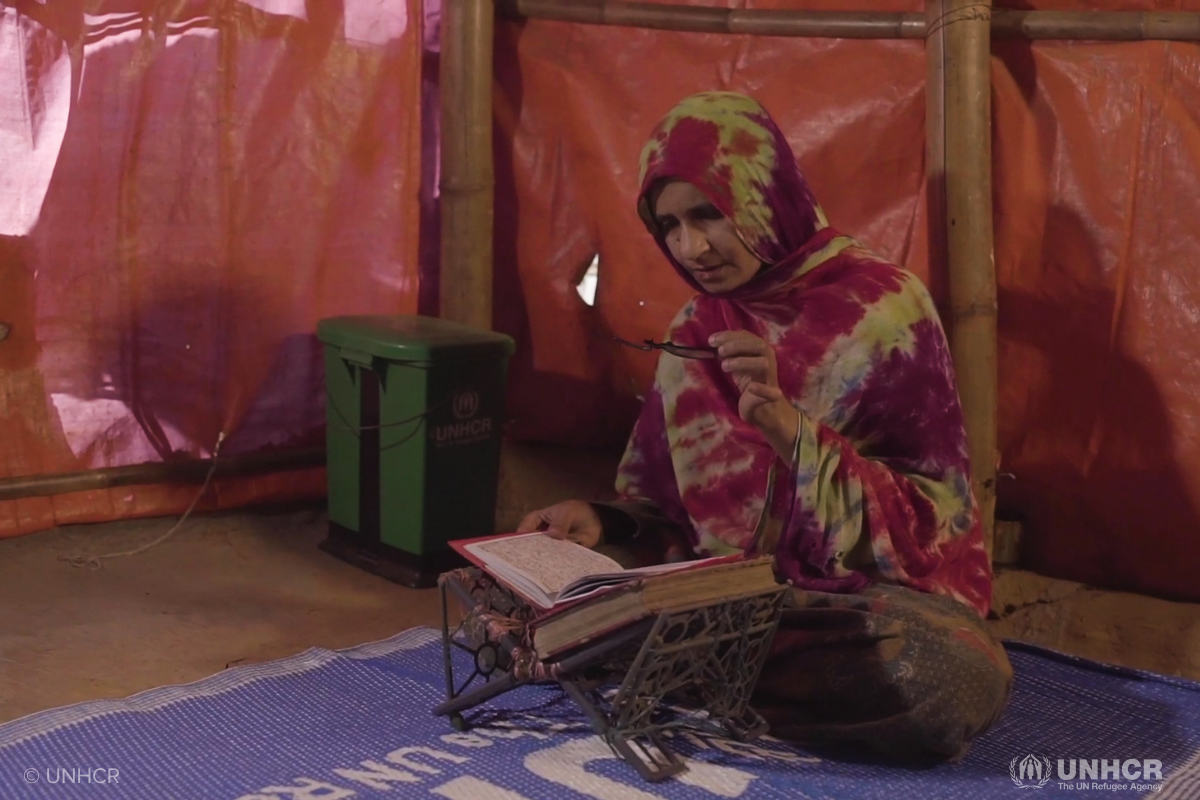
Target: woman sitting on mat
825, 430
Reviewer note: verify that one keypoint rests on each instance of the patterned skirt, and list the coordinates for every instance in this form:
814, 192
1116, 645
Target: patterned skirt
908, 675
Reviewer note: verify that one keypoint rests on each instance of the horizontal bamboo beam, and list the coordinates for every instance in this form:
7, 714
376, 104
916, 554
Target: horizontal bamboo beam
192, 471
698, 19
1121, 26
1006, 24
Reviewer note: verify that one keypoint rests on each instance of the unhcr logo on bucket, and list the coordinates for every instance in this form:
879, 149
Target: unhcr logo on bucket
1131, 774
468, 428
466, 404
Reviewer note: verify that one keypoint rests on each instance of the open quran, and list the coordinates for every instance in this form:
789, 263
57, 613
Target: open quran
579, 595
548, 572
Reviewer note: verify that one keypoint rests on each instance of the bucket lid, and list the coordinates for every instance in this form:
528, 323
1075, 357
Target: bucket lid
406, 337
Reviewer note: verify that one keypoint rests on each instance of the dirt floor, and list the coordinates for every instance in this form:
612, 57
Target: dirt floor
224, 590
240, 588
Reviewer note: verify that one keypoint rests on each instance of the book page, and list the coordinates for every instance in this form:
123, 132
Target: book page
550, 563
588, 586
673, 566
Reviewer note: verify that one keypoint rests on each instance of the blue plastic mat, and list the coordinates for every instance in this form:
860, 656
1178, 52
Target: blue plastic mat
356, 723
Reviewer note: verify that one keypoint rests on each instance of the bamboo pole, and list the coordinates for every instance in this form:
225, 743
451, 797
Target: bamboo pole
935, 138
193, 471
960, 176
843, 24
467, 176
1183, 26
1005, 23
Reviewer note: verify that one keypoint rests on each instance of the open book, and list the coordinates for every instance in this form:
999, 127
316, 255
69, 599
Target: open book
710, 582
552, 572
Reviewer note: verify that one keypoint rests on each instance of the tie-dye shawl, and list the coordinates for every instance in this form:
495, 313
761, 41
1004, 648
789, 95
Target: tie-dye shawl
881, 488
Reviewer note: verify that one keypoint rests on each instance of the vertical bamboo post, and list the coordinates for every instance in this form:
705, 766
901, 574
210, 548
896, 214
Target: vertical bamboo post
467, 177
960, 177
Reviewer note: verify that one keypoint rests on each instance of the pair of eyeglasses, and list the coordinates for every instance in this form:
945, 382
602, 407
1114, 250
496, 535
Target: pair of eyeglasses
681, 350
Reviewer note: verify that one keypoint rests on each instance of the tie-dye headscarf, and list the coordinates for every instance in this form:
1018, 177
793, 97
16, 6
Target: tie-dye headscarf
880, 489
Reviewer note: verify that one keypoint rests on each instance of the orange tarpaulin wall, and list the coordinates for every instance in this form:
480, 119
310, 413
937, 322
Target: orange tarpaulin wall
185, 189
170, 222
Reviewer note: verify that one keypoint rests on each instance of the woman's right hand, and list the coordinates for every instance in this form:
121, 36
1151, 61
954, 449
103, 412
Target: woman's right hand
571, 519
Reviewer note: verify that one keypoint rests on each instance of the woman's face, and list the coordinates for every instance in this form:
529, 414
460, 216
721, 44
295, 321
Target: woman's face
703, 239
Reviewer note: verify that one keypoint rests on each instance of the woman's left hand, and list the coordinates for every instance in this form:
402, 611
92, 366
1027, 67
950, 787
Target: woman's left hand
750, 361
